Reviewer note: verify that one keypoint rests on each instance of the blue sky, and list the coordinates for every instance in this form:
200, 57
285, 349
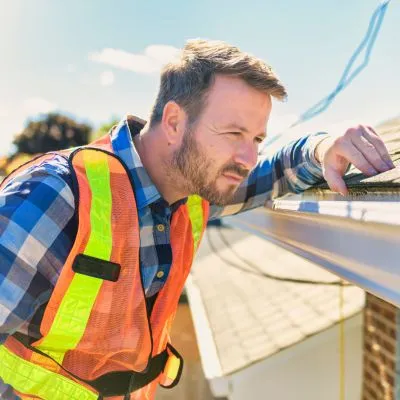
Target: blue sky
98, 59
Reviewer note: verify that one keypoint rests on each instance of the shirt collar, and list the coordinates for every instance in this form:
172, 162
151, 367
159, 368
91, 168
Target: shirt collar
123, 146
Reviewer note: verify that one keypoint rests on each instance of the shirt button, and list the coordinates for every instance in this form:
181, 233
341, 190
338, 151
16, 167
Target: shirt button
160, 228
160, 274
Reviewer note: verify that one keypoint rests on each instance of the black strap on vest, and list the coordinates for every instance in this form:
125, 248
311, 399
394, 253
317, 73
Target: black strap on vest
120, 383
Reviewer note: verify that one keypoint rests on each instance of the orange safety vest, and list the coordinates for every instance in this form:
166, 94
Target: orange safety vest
98, 339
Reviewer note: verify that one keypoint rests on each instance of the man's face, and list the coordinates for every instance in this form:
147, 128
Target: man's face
220, 150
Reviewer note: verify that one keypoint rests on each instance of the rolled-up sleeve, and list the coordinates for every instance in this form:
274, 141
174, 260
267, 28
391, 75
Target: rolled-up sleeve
292, 169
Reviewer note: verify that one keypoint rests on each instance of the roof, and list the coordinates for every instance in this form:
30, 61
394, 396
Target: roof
251, 317
360, 185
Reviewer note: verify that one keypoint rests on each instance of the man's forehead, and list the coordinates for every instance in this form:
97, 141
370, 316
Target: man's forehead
242, 102
235, 126
243, 123
237, 106
233, 88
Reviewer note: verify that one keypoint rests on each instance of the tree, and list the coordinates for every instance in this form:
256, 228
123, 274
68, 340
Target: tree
52, 131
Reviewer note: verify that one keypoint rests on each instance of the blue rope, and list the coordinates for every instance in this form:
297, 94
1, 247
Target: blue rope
348, 75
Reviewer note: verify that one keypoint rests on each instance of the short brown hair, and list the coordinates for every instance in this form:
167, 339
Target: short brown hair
187, 80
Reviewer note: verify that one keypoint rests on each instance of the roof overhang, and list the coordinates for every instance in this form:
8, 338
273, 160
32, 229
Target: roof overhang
358, 240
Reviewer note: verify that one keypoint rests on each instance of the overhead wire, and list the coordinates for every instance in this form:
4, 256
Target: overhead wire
349, 73
347, 77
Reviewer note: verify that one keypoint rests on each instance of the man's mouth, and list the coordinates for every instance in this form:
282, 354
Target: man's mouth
234, 178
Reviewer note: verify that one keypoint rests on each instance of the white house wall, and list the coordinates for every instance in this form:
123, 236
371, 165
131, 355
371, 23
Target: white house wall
307, 371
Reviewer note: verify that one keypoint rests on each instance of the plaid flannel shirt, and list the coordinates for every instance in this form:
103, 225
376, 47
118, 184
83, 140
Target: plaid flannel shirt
38, 223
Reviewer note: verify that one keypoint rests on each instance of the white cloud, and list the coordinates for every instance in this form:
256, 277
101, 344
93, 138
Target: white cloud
151, 61
107, 78
37, 105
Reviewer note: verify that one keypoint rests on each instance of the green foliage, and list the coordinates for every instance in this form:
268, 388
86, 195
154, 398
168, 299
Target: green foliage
52, 131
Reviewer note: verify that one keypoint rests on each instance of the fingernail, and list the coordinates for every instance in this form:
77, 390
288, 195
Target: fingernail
372, 171
390, 164
384, 167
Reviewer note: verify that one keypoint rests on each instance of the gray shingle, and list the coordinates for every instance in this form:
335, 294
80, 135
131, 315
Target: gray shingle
252, 317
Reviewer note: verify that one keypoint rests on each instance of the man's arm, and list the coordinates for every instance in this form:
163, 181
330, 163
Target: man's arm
305, 162
292, 169
36, 210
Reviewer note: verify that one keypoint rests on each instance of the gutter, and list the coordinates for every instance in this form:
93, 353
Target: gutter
358, 240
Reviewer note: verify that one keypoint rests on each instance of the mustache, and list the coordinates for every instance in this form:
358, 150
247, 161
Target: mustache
236, 169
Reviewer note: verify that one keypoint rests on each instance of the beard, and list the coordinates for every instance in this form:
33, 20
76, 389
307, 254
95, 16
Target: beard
192, 163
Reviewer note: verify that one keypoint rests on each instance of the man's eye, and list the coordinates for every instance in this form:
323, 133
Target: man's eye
259, 139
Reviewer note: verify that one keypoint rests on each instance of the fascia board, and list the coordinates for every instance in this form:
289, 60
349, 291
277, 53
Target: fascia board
358, 241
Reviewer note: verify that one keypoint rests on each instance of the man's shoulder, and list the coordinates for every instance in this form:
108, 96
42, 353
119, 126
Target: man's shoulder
53, 170
58, 165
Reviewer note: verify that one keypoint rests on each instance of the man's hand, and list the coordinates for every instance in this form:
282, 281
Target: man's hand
360, 146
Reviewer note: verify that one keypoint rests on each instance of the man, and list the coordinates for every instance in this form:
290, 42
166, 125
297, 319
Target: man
96, 244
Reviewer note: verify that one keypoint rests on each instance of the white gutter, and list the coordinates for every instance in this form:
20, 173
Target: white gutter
357, 240
367, 211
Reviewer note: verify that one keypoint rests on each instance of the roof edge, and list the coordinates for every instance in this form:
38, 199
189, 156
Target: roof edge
205, 339
353, 246
385, 212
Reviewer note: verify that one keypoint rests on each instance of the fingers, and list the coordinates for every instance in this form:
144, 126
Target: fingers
352, 154
365, 150
371, 154
374, 138
335, 181
360, 146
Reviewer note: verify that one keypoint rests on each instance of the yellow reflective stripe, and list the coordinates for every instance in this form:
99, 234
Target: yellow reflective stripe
71, 319
195, 207
73, 314
172, 366
34, 380
98, 174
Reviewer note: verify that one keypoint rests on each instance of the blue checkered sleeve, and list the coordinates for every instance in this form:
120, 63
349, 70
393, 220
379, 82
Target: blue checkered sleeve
36, 227
292, 169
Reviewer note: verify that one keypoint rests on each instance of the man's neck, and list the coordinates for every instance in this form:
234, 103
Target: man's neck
155, 156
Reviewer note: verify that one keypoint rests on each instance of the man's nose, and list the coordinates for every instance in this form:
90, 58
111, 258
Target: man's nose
246, 155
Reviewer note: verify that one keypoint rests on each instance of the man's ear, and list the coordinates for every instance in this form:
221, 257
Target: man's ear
173, 122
